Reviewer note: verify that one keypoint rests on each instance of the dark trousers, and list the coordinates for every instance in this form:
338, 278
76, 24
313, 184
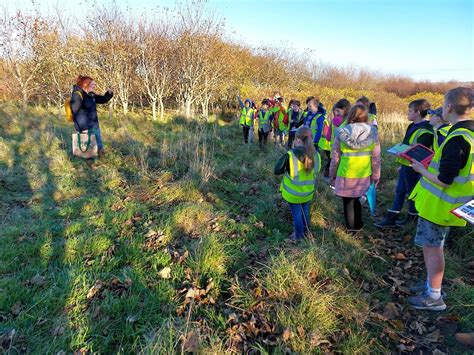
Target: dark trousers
291, 138
407, 180
262, 137
353, 213
300, 213
245, 131
327, 162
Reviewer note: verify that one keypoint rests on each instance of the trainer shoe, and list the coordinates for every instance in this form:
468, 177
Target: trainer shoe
425, 302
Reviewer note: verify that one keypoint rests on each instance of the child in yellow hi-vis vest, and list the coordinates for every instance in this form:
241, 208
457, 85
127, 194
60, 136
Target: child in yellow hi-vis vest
418, 132
300, 165
445, 185
355, 164
440, 127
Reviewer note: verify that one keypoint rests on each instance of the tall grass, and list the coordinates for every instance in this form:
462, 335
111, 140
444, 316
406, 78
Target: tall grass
392, 128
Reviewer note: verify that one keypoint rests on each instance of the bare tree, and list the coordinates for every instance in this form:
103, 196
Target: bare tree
114, 37
155, 68
196, 31
21, 51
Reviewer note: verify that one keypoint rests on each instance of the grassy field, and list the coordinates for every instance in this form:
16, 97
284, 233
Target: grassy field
176, 242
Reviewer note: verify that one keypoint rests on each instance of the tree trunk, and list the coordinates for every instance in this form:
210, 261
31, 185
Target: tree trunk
153, 109
187, 107
162, 109
125, 106
24, 99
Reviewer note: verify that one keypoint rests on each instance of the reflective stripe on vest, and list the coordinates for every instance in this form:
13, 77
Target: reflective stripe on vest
314, 123
435, 202
325, 144
355, 163
246, 117
263, 120
298, 185
280, 118
438, 192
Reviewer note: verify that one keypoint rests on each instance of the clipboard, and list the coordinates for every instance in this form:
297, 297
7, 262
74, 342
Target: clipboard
418, 153
465, 211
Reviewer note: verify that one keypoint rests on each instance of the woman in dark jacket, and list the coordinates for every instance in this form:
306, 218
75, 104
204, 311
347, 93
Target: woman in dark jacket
84, 107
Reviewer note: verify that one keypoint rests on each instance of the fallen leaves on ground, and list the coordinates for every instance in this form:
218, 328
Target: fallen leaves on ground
115, 286
196, 295
165, 273
154, 239
405, 329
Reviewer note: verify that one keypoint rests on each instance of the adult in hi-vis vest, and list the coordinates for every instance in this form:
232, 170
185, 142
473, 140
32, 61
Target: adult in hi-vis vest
355, 164
247, 116
446, 184
300, 166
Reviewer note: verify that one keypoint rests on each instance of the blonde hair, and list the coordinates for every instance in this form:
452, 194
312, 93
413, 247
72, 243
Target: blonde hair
305, 135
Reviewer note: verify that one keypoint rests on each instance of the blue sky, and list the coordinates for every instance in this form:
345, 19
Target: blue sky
421, 39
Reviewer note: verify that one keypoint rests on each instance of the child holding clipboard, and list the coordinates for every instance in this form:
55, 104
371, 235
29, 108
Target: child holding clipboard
446, 184
418, 132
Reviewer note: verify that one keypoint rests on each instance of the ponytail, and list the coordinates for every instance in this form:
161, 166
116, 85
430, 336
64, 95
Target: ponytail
304, 134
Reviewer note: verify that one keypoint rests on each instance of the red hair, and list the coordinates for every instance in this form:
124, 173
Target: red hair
83, 81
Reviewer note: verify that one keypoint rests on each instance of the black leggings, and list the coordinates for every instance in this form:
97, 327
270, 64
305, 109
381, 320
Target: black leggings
327, 162
353, 213
245, 130
262, 137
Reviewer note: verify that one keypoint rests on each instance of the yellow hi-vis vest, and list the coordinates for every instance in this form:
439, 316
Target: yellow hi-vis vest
263, 119
417, 133
444, 132
435, 203
324, 144
314, 123
355, 163
246, 116
298, 185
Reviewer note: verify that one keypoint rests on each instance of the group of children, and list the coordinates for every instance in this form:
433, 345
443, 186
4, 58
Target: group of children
349, 140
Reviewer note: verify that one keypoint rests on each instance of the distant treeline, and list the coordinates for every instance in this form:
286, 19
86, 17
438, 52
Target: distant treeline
178, 60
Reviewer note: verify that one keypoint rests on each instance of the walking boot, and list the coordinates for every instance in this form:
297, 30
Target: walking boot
389, 220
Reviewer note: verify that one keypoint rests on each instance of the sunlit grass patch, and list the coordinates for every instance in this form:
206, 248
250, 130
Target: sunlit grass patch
307, 297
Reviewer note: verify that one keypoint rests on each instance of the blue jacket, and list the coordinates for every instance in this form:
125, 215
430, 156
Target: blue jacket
84, 110
319, 124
